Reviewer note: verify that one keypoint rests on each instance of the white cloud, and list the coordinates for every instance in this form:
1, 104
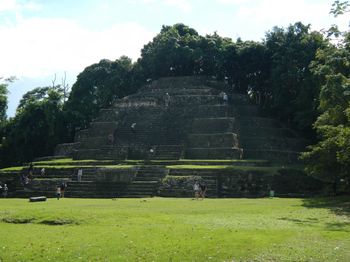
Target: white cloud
14, 5
262, 15
183, 5
41, 47
232, 2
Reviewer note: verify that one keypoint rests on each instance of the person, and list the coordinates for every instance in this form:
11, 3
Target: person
151, 152
133, 128
110, 139
58, 192
42, 171
30, 171
167, 99
5, 190
203, 188
225, 98
63, 187
196, 189
80, 174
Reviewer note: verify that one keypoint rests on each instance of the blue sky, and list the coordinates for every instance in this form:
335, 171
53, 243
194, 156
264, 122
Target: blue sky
41, 38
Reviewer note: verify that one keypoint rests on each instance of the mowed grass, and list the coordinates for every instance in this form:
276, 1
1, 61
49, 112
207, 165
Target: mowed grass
169, 229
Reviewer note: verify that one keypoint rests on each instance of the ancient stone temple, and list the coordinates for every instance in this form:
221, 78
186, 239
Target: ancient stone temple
172, 132
186, 117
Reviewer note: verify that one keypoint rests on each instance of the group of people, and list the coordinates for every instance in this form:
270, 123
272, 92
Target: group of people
29, 176
199, 189
60, 189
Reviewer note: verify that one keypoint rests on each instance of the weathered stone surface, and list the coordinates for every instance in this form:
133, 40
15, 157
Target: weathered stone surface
212, 140
191, 123
214, 125
66, 149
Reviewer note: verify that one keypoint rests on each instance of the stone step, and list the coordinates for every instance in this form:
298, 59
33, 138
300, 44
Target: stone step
212, 140
266, 132
218, 162
257, 122
214, 125
214, 153
81, 134
193, 90
102, 128
281, 156
207, 173
102, 153
213, 111
94, 142
246, 110
273, 143
194, 100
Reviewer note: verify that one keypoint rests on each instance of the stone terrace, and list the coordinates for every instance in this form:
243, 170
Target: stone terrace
194, 126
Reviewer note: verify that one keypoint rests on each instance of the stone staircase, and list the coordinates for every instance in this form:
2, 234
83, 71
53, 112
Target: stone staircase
146, 182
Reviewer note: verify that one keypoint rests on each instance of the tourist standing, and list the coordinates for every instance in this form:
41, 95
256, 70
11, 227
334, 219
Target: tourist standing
58, 192
63, 188
225, 99
42, 172
133, 128
203, 188
196, 189
5, 190
80, 174
167, 99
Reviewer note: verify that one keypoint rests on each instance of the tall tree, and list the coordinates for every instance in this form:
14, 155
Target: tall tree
37, 127
294, 88
3, 96
97, 87
171, 52
329, 159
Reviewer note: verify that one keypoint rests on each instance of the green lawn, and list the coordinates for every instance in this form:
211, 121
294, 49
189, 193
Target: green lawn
168, 229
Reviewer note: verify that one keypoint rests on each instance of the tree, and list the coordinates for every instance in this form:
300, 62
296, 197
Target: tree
38, 126
294, 89
329, 158
172, 52
97, 87
3, 96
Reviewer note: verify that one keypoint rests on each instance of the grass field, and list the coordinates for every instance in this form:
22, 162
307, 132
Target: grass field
168, 229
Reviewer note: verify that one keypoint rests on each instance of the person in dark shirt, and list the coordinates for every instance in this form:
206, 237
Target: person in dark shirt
203, 190
63, 187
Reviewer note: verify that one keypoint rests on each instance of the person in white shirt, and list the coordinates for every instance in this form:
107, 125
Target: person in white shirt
196, 190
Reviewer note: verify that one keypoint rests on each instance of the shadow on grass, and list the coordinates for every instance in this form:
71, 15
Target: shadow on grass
337, 205
50, 222
339, 226
308, 221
